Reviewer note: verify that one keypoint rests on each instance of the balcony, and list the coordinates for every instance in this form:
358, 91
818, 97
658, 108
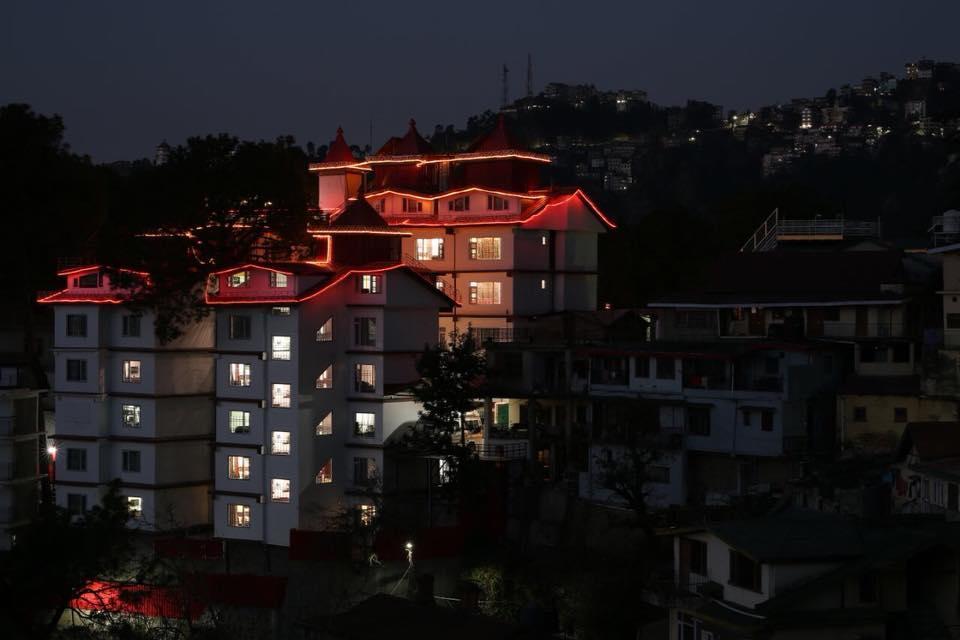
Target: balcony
771, 384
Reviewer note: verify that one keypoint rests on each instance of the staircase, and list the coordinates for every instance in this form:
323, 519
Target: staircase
775, 229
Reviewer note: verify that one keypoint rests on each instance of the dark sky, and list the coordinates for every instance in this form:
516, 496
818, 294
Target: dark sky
126, 75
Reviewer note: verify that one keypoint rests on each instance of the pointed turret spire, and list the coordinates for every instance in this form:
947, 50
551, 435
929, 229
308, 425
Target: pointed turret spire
339, 150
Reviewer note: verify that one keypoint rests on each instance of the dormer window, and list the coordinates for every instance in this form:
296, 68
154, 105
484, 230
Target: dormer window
496, 203
278, 280
459, 204
412, 206
88, 281
238, 279
381, 205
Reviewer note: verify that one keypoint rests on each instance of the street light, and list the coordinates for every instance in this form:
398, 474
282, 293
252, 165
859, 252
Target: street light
52, 451
409, 548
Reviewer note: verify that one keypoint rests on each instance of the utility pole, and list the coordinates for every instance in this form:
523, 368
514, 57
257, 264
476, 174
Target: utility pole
529, 76
506, 86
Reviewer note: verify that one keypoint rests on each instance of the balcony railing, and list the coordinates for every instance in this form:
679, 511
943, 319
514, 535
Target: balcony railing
498, 334
516, 450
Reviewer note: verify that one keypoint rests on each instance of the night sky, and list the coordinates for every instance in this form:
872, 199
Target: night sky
126, 75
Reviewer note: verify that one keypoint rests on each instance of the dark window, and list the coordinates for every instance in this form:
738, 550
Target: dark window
459, 204
365, 378
828, 363
665, 368
77, 326
131, 461
873, 353
698, 556
77, 370
869, 588
660, 475
766, 420
131, 326
364, 471
899, 414
88, 281
365, 332
746, 417
901, 352
831, 315
608, 370
953, 321
641, 367
772, 365
694, 319
698, 421
744, 572
239, 327
412, 206
859, 414
77, 459
76, 502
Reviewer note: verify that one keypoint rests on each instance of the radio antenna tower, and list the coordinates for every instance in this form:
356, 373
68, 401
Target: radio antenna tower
529, 76
505, 97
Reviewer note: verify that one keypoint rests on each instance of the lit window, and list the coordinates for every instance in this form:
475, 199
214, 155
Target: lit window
239, 327
239, 374
440, 284
325, 332
77, 370
412, 206
543, 240
459, 204
130, 461
484, 293
381, 205
130, 415
365, 378
325, 475
281, 347
135, 506
325, 379
496, 203
238, 515
281, 396
239, 421
365, 425
484, 248
278, 280
131, 326
543, 284
131, 371
238, 467
429, 248
280, 311
325, 426
369, 283
367, 513
364, 471
280, 490
238, 279
365, 332
76, 459
76, 326
280, 443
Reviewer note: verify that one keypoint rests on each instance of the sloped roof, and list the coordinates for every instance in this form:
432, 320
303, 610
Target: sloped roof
932, 440
497, 139
411, 144
791, 535
359, 214
788, 276
339, 150
881, 386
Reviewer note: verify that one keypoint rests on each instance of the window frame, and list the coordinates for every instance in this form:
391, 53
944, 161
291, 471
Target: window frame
239, 326
361, 385
136, 410
237, 427
239, 515
132, 371
238, 467
278, 447
361, 429
131, 461
79, 331
240, 374
281, 353
281, 401
478, 250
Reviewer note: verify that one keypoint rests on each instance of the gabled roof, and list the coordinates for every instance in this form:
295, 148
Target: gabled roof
339, 150
497, 139
411, 144
796, 277
359, 214
792, 535
932, 440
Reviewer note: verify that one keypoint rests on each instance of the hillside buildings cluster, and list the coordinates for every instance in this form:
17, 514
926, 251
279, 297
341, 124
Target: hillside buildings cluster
922, 103
809, 379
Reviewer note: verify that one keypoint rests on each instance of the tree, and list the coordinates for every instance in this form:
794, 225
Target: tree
56, 557
450, 380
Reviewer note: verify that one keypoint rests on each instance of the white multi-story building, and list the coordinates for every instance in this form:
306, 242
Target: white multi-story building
504, 247
20, 441
128, 407
310, 359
